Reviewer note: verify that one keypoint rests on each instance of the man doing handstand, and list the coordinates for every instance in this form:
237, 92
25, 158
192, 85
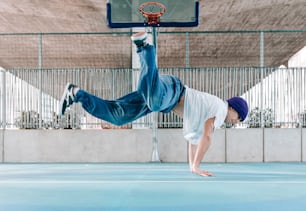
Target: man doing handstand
201, 112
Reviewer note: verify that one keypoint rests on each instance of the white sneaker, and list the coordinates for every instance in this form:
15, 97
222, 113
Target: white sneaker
139, 38
67, 98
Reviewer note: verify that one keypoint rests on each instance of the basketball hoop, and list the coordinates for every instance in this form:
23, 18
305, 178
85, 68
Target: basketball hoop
152, 11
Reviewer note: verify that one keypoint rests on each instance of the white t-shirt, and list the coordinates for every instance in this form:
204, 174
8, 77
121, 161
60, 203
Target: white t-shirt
198, 108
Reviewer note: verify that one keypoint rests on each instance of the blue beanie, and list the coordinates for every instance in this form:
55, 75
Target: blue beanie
240, 105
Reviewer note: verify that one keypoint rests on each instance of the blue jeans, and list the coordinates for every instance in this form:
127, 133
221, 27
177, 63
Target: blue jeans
154, 93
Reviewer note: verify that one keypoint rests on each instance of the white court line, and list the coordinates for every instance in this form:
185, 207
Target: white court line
147, 181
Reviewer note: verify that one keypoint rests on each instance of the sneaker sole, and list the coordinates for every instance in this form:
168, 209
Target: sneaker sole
139, 36
63, 99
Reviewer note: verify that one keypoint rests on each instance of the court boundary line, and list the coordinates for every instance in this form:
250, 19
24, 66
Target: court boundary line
149, 181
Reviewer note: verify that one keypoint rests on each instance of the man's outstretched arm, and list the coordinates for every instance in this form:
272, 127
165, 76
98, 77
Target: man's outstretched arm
196, 155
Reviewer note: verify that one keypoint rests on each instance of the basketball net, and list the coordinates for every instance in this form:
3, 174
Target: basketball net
152, 11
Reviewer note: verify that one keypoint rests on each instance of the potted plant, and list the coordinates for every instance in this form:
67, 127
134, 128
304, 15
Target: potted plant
258, 117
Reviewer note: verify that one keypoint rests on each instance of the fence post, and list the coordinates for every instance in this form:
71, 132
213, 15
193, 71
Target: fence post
187, 50
3, 100
40, 78
262, 63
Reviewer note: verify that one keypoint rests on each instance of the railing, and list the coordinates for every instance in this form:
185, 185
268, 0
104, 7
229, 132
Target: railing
30, 97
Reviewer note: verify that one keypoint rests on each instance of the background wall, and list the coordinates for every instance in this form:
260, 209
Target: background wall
1, 145
229, 145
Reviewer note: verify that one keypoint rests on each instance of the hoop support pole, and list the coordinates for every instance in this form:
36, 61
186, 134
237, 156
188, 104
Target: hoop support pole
155, 152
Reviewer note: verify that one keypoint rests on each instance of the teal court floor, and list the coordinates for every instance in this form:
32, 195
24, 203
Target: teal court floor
152, 186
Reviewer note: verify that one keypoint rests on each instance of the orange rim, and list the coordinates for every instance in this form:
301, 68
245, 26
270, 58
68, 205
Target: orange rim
152, 17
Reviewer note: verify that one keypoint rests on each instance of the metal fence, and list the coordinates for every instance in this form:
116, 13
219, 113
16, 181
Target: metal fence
245, 63
175, 49
30, 97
